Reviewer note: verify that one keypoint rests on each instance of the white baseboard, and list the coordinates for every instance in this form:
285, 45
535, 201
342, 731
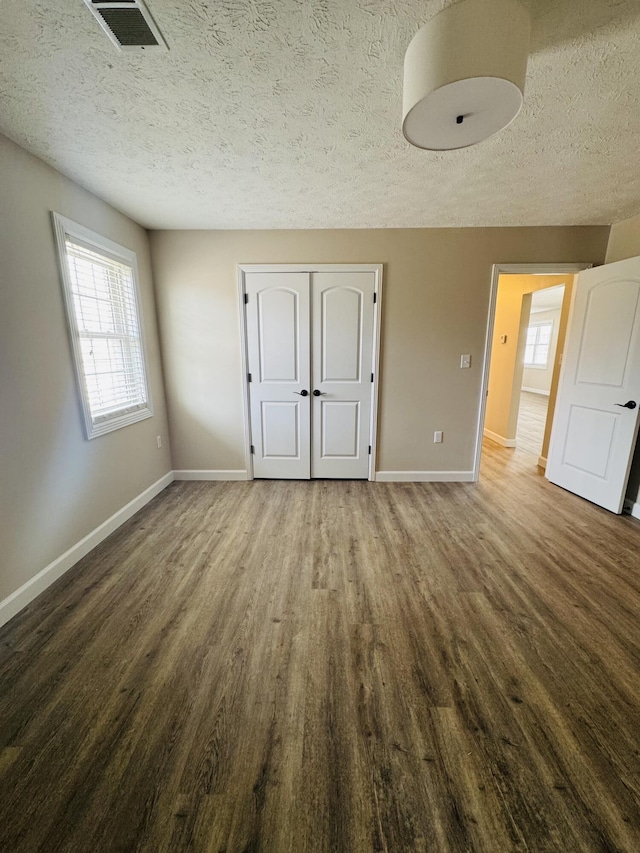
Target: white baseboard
542, 462
535, 391
499, 439
211, 475
37, 584
424, 476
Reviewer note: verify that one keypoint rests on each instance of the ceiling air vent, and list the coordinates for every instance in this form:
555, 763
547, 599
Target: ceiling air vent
128, 23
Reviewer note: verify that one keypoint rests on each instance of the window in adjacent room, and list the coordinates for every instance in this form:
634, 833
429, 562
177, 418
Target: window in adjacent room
538, 345
101, 292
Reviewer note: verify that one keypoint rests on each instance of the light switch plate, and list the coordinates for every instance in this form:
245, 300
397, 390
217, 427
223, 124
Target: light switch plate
465, 361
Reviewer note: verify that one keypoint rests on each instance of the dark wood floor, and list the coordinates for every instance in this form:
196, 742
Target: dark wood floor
333, 666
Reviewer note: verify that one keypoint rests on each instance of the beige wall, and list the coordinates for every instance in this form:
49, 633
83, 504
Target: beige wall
537, 378
435, 302
624, 242
55, 485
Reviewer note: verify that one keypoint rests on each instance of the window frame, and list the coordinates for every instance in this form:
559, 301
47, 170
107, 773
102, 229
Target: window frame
63, 229
539, 325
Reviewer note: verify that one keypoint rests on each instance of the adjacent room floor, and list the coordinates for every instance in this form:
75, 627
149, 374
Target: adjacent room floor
333, 666
532, 419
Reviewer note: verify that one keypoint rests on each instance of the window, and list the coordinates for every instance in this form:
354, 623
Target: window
100, 284
536, 353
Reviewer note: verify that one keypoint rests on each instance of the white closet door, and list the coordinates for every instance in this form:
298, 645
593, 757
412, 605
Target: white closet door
342, 342
277, 315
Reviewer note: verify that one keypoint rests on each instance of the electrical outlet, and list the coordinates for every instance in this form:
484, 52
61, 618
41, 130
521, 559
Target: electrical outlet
159, 440
437, 437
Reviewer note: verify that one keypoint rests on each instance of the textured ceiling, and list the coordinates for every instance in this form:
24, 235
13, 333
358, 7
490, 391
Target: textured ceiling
286, 114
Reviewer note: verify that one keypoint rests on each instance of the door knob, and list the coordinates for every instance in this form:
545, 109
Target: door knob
302, 393
630, 404
317, 393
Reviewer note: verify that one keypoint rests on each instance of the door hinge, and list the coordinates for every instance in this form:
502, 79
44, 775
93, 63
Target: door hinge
248, 377
375, 296
253, 450
246, 298
369, 450
372, 377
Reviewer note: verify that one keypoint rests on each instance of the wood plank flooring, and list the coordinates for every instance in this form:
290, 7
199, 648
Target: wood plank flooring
333, 666
532, 419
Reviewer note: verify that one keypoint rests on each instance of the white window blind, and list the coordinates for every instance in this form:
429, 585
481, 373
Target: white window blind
538, 344
102, 307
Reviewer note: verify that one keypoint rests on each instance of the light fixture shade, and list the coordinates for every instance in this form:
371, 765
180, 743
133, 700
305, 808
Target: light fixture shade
464, 74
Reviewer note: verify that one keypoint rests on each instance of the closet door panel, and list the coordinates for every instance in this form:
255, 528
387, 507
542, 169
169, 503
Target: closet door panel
342, 346
277, 314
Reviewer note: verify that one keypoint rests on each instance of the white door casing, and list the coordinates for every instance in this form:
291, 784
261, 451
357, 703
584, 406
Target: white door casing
594, 434
304, 329
342, 309
277, 315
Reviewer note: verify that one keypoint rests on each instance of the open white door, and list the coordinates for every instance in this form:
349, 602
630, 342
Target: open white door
596, 418
342, 341
277, 314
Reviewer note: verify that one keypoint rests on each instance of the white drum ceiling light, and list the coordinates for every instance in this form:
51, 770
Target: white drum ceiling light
464, 74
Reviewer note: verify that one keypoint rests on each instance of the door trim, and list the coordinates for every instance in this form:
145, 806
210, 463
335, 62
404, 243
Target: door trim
376, 269
496, 272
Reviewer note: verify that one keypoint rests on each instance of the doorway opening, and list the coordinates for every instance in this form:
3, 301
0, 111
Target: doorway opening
527, 324
541, 357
